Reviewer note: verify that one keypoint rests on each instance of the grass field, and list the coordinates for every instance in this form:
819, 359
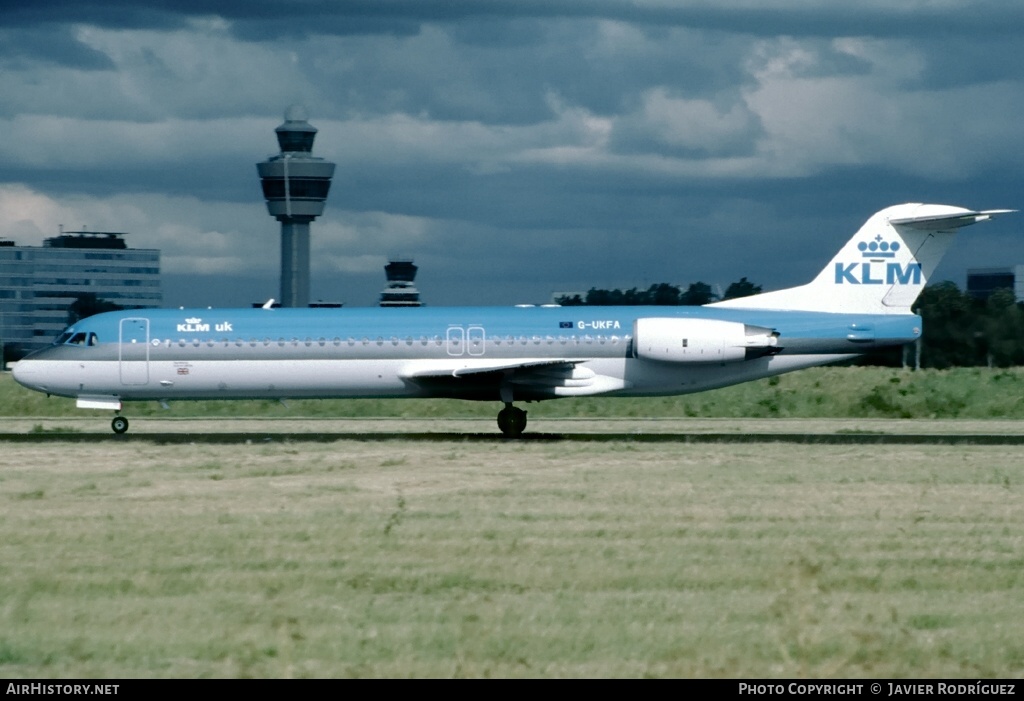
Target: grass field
538, 559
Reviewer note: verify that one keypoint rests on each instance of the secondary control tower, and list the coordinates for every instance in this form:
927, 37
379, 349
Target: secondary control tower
295, 185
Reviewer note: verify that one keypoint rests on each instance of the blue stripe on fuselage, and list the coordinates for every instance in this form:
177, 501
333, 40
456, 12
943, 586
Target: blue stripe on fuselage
373, 323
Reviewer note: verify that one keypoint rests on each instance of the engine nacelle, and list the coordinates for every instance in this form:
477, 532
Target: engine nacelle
701, 340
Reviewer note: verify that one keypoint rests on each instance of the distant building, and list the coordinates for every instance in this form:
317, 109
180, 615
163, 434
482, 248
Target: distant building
982, 282
401, 290
39, 283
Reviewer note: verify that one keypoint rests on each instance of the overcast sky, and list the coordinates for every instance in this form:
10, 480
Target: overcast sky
513, 148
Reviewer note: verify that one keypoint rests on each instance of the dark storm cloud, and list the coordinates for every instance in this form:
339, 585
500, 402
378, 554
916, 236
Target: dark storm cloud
271, 18
952, 63
24, 47
513, 147
134, 14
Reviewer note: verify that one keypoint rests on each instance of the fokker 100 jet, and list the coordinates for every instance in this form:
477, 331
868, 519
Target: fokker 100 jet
860, 302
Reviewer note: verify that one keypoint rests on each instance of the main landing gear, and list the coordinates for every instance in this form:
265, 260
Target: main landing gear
119, 424
511, 421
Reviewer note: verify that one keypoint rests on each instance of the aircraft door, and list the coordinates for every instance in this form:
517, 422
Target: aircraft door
475, 340
133, 351
456, 340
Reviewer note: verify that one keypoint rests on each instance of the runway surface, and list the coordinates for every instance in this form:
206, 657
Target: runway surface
639, 430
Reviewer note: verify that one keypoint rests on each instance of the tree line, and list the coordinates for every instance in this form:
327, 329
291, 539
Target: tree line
662, 294
959, 329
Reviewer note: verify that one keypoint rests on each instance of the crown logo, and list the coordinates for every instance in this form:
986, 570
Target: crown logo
193, 320
878, 248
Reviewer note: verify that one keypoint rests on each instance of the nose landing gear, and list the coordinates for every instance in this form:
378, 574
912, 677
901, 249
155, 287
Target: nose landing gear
511, 421
119, 424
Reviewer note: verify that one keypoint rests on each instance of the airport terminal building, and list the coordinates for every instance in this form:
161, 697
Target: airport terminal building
39, 283
982, 282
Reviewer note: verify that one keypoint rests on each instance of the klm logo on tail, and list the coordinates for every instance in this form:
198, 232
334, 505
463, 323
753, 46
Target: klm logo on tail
875, 270
878, 274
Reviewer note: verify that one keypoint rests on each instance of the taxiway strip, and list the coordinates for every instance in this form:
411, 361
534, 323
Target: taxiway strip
256, 437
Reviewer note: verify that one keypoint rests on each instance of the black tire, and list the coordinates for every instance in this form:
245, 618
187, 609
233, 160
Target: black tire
512, 421
119, 424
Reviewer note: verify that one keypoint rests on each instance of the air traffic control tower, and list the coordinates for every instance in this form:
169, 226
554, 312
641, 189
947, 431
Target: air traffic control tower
295, 185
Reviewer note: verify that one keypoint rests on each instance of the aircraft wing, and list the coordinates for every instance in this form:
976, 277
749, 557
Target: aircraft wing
524, 377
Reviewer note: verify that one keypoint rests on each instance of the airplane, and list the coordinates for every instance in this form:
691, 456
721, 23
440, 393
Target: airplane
860, 302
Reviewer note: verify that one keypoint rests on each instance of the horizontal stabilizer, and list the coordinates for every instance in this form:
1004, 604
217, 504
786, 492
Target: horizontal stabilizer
928, 220
882, 269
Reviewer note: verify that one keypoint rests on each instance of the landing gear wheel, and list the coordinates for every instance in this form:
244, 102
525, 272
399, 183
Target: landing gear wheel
512, 421
119, 424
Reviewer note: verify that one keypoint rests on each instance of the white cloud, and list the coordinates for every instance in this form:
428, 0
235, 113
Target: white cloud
361, 242
208, 237
813, 121
202, 72
194, 236
69, 142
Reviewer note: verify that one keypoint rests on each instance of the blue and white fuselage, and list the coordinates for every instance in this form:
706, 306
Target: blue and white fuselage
860, 303
473, 353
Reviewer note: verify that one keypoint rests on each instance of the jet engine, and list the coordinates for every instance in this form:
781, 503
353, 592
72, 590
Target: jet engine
701, 340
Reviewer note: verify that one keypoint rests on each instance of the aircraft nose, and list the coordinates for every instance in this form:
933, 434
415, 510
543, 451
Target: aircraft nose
25, 373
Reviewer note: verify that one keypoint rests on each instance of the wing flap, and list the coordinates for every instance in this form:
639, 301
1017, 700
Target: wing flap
530, 378
465, 368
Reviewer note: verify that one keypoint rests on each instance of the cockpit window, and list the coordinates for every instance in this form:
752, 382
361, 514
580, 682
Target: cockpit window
80, 338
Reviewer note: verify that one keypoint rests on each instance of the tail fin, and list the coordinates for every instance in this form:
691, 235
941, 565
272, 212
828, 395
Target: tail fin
882, 269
